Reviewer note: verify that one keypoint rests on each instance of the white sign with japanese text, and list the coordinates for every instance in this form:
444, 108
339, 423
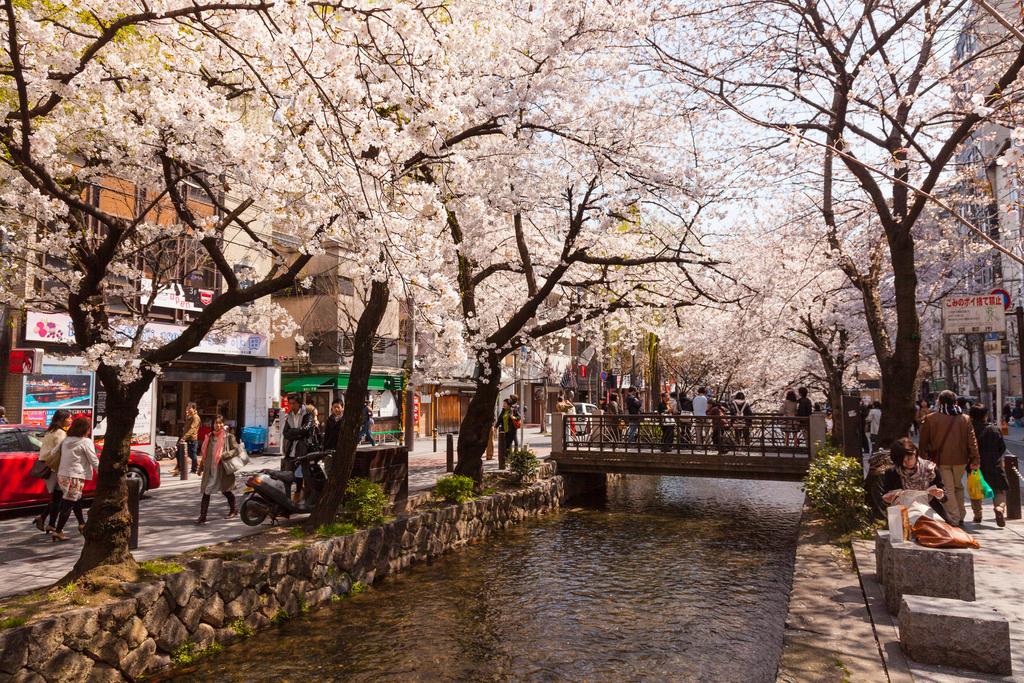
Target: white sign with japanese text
973, 313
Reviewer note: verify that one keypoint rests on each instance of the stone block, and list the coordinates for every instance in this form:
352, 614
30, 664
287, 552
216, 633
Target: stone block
213, 611
955, 633
208, 571
107, 647
104, 673
181, 586
66, 665
911, 569
192, 612
46, 637
881, 546
242, 606
145, 594
27, 676
134, 632
154, 619
204, 635
13, 650
172, 634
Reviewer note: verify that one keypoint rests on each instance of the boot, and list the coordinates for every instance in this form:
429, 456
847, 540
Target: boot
233, 512
204, 507
1000, 518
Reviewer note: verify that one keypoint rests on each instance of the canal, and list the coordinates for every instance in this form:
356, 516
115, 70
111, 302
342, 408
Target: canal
662, 579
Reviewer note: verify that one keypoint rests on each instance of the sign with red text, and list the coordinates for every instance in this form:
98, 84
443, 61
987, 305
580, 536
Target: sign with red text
973, 313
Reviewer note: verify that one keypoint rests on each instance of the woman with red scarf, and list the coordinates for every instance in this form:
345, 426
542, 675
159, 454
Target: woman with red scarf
217, 446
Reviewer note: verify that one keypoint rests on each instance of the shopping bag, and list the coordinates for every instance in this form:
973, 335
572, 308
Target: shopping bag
985, 488
974, 488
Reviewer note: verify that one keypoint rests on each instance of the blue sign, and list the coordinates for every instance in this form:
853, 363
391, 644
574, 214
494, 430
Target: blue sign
604, 376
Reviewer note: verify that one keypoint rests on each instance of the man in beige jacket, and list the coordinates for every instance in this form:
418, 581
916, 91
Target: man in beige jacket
948, 439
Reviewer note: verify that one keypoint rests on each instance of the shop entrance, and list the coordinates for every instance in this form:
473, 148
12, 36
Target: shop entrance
224, 398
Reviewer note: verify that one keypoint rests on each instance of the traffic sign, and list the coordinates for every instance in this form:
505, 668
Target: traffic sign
604, 375
1006, 297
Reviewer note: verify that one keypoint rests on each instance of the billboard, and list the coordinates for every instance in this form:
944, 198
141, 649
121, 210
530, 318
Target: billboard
973, 313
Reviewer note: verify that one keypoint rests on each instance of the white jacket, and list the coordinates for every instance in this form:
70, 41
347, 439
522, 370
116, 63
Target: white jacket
78, 458
874, 420
49, 450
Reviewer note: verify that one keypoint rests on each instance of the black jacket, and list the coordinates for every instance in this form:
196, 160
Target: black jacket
332, 429
633, 405
301, 437
991, 448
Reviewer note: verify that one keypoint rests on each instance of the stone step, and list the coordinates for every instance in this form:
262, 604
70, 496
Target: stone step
911, 569
955, 633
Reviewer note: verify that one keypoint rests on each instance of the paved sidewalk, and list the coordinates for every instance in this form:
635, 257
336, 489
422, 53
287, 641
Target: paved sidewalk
998, 566
29, 559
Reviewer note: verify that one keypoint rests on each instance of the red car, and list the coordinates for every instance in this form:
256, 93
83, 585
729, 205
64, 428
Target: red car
19, 449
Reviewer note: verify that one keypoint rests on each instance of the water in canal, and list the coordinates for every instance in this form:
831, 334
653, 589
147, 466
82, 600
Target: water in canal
666, 579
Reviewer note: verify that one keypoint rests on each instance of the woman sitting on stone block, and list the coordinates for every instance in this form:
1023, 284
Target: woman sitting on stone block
911, 473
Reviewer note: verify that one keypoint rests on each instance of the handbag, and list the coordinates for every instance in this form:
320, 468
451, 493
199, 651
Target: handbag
931, 533
237, 461
40, 470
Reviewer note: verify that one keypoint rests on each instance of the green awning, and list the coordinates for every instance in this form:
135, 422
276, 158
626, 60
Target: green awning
307, 383
378, 382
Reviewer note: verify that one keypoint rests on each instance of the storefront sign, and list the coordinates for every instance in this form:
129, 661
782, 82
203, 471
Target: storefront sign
973, 313
57, 327
43, 395
176, 295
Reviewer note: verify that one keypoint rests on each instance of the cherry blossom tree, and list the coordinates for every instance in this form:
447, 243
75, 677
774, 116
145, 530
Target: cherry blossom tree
866, 92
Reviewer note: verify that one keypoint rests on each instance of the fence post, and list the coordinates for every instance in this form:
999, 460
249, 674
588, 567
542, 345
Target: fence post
490, 443
1013, 479
450, 455
435, 439
817, 434
134, 489
182, 464
557, 433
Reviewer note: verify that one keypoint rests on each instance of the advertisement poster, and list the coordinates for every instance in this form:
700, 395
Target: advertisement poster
50, 392
142, 434
42, 418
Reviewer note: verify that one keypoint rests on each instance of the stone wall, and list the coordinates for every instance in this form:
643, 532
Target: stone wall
203, 604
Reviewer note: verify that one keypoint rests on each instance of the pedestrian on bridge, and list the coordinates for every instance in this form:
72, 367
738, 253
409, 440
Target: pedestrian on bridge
633, 407
667, 410
740, 408
700, 411
791, 428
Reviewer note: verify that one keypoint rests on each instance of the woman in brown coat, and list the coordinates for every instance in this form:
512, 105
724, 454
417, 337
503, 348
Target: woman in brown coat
218, 446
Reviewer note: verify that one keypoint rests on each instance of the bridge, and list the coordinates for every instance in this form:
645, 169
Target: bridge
754, 447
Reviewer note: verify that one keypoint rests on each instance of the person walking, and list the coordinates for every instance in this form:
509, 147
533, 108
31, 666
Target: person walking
298, 427
567, 409
790, 427
219, 445
667, 409
517, 418
874, 422
366, 428
740, 409
633, 408
506, 425
332, 427
700, 411
948, 440
49, 453
717, 413
991, 449
190, 437
78, 464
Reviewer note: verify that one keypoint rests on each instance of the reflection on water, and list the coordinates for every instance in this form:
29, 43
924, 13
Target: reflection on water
667, 579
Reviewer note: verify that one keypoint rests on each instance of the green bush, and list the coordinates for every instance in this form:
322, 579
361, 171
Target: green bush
190, 652
523, 463
454, 488
365, 501
336, 529
835, 489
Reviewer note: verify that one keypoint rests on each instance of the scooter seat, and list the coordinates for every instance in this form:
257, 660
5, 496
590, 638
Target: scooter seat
283, 476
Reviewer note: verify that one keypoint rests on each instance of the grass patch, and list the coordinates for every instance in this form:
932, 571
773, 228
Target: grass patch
357, 588
297, 532
190, 652
280, 617
12, 622
337, 598
336, 529
160, 567
242, 629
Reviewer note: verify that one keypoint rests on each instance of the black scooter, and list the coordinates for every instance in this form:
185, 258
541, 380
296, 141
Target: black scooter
268, 492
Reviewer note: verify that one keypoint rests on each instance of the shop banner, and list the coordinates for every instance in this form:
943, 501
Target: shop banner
57, 327
176, 295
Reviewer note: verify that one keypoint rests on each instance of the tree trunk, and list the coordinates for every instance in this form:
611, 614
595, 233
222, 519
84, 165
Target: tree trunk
109, 522
339, 468
476, 425
899, 371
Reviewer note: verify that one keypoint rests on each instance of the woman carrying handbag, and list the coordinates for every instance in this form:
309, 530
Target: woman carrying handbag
218, 447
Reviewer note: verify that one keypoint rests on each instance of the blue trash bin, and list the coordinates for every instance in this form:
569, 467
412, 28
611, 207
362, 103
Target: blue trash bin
254, 439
